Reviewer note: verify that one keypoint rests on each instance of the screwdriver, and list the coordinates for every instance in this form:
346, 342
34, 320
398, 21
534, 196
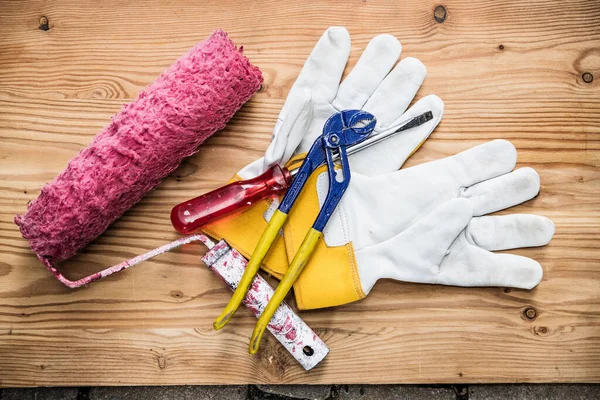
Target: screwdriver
237, 196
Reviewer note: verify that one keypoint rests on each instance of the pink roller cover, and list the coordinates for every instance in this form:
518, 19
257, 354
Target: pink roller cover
145, 142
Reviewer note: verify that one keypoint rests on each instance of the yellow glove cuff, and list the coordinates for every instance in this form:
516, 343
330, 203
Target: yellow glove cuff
330, 278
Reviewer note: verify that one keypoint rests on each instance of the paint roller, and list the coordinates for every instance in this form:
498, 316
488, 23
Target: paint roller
145, 142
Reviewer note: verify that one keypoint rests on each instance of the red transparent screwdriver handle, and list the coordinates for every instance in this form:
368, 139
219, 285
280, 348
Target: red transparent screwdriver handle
234, 197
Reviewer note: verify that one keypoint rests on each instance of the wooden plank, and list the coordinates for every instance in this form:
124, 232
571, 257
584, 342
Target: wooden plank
505, 69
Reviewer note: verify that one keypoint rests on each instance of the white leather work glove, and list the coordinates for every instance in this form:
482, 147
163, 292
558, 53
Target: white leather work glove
373, 85
376, 84
424, 224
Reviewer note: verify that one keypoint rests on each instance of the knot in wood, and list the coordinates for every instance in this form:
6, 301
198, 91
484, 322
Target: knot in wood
44, 23
530, 313
439, 14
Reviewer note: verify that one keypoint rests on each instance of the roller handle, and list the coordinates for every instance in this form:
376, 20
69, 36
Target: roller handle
190, 215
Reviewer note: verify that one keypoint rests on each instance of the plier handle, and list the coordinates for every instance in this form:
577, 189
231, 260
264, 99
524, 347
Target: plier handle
343, 129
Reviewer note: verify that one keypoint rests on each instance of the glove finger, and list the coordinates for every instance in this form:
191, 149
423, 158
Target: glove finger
396, 92
374, 64
390, 154
415, 254
479, 163
324, 67
509, 231
468, 265
503, 192
288, 133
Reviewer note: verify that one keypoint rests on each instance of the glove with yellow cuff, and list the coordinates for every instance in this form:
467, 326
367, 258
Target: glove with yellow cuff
375, 84
423, 224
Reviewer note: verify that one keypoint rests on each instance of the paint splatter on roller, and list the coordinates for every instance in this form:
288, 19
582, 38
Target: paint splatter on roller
145, 142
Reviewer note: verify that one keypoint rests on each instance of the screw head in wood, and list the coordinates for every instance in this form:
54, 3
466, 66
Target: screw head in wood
587, 77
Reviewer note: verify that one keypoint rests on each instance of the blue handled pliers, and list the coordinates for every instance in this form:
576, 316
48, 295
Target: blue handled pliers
343, 129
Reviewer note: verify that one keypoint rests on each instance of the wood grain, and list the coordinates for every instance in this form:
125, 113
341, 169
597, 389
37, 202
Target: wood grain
505, 69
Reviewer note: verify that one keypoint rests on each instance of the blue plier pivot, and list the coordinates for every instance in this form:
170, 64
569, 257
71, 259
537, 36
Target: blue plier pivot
343, 129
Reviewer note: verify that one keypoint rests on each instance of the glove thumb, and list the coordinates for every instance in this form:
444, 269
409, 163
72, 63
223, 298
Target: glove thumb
291, 126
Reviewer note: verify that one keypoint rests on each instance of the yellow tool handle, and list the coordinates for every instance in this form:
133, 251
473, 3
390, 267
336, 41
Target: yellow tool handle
300, 259
261, 250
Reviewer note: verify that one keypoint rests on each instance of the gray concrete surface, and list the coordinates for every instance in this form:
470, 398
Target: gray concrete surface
360, 392
534, 392
38, 394
169, 393
308, 392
